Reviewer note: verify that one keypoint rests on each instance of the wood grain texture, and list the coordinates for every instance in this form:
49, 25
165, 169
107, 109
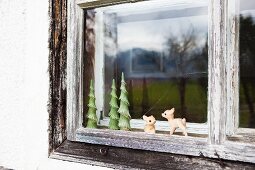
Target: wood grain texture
123, 158
75, 44
232, 123
87, 4
217, 94
244, 135
57, 72
193, 146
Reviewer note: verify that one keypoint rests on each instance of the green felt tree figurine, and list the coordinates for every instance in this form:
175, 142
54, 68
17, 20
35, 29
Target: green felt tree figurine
124, 121
114, 115
91, 114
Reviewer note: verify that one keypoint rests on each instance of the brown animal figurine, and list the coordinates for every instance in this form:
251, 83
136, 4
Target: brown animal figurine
175, 123
150, 124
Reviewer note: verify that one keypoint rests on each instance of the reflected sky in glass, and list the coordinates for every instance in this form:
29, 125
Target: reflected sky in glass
164, 55
153, 34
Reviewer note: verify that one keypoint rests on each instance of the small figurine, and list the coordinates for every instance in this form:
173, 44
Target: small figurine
175, 123
124, 121
91, 114
114, 115
150, 124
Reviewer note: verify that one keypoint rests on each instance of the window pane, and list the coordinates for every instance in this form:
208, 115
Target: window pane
162, 51
164, 57
247, 63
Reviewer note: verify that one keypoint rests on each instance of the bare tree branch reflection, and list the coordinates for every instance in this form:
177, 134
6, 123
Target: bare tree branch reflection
182, 49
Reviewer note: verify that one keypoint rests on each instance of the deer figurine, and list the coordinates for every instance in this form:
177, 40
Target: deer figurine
150, 124
175, 122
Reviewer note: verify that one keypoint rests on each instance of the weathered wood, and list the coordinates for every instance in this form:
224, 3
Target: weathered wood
243, 135
194, 146
232, 67
249, 131
75, 44
123, 158
140, 140
57, 72
217, 71
87, 4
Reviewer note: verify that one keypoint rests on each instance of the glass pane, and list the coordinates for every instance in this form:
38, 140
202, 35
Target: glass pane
163, 54
247, 63
162, 51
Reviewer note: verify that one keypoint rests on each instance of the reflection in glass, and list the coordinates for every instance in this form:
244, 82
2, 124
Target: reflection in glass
163, 54
247, 63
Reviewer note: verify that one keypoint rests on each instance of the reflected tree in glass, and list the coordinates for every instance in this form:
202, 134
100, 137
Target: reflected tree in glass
165, 66
184, 51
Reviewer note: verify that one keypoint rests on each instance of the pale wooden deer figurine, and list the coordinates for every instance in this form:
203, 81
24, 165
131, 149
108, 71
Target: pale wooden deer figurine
150, 124
175, 123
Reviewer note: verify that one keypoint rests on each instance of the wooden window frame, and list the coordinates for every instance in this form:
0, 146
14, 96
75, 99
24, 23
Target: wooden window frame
223, 84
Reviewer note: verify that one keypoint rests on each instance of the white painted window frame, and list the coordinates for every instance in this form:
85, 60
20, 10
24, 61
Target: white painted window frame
223, 91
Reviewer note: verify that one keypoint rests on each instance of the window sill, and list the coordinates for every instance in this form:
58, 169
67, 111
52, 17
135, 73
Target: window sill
140, 140
244, 135
124, 158
191, 145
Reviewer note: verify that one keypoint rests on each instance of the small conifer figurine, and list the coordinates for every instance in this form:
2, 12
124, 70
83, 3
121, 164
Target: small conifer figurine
91, 114
114, 115
124, 121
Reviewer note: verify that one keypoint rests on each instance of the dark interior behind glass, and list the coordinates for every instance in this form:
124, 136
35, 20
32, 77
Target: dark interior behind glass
247, 63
